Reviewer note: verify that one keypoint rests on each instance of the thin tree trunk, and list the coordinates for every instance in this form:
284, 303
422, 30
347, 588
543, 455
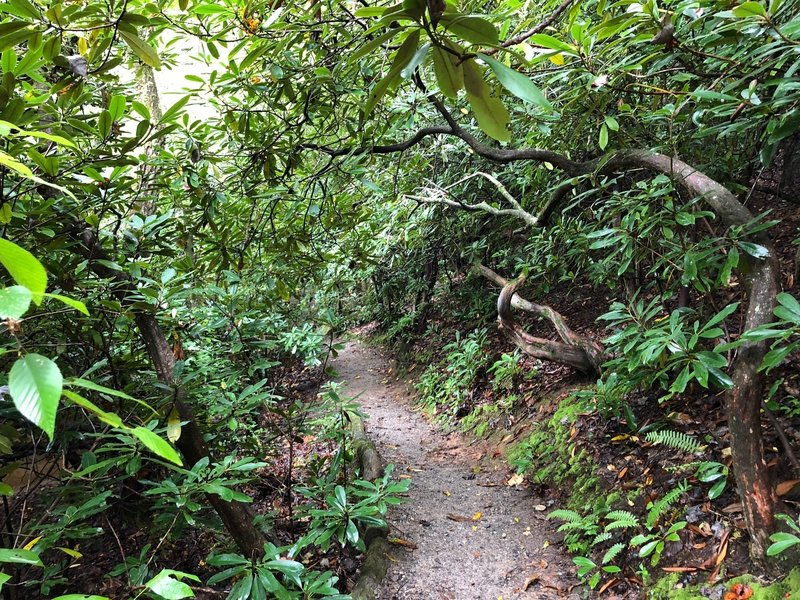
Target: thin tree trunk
237, 517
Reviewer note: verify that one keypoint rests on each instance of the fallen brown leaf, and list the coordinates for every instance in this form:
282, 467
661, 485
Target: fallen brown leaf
401, 542
785, 487
530, 581
458, 518
608, 584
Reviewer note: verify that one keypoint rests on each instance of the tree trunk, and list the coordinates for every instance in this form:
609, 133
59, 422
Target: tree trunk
236, 516
743, 400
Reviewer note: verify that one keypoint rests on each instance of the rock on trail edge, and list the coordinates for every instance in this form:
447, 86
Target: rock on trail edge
463, 533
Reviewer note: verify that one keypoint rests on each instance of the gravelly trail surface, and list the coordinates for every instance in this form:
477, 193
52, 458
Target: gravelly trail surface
501, 553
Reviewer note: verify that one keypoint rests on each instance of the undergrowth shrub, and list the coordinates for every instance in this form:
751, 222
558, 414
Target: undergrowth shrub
446, 389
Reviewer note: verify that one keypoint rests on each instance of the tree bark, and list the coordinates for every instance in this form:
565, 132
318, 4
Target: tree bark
575, 350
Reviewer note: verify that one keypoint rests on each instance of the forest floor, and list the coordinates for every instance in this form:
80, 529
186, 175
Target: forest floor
463, 533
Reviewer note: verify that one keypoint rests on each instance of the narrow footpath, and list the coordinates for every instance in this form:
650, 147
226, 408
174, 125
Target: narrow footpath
463, 533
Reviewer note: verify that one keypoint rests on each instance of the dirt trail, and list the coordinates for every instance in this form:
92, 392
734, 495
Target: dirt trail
489, 556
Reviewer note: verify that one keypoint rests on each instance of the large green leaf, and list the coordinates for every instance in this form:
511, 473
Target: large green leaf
490, 112
106, 417
24, 268
20, 557
449, 74
156, 445
517, 83
71, 302
471, 29
14, 301
750, 9
401, 59
12, 163
548, 41
167, 585
35, 385
415, 61
141, 48
373, 44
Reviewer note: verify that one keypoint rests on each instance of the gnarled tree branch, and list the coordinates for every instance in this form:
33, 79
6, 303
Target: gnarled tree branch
434, 194
380, 149
574, 350
743, 401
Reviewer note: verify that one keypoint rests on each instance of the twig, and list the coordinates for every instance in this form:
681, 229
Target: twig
787, 447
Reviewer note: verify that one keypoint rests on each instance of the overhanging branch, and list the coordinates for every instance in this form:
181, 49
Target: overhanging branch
435, 194
380, 149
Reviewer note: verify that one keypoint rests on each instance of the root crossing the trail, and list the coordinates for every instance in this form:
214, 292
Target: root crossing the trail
463, 533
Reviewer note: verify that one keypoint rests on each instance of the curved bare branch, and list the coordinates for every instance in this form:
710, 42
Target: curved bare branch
575, 350
379, 149
435, 194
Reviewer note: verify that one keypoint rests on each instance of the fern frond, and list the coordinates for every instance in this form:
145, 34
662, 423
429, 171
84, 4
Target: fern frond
674, 439
662, 504
570, 516
603, 537
612, 553
621, 519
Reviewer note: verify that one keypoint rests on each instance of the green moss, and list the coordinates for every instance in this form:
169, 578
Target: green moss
549, 456
667, 588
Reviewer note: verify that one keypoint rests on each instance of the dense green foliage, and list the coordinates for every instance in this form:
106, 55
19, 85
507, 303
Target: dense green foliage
155, 260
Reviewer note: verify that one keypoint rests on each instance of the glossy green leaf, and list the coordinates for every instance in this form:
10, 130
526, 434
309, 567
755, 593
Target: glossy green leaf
471, 29
116, 107
20, 557
213, 9
517, 83
35, 384
401, 59
12, 163
781, 542
370, 11
26, 8
490, 112
14, 301
548, 41
156, 445
141, 48
106, 417
71, 302
167, 585
602, 139
750, 9
415, 61
449, 74
373, 44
